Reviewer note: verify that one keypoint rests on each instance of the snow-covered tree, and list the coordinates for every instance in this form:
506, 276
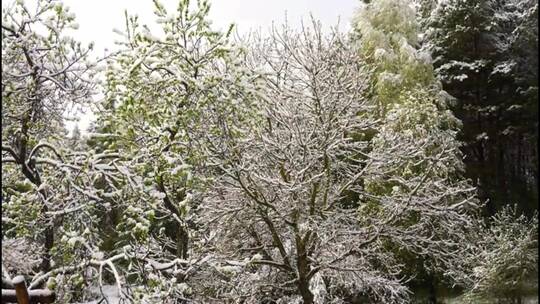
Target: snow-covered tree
280, 195
501, 259
417, 165
294, 167
169, 97
387, 35
48, 193
286, 196
52, 195
43, 73
477, 58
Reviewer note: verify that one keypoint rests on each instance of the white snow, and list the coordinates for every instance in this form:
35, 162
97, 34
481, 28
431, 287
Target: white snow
109, 292
18, 279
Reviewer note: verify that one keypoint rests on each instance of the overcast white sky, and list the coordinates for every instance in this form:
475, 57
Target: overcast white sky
98, 18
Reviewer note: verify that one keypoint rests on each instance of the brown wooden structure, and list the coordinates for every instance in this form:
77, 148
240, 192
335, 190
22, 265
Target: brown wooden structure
16, 292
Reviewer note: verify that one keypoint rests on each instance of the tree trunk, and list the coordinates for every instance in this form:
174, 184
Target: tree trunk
29, 171
432, 299
182, 242
302, 265
47, 246
303, 287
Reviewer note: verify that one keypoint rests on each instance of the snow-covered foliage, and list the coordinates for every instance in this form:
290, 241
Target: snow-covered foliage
501, 261
310, 186
387, 35
415, 183
281, 197
296, 167
474, 36
169, 97
486, 55
57, 199
43, 73
18, 256
51, 195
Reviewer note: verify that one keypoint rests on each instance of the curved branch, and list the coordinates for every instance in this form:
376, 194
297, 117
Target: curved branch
44, 145
12, 152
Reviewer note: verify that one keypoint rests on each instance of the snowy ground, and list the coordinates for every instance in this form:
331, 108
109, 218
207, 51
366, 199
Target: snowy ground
112, 297
109, 291
457, 300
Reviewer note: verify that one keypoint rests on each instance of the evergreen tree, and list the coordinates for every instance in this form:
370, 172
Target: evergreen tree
477, 58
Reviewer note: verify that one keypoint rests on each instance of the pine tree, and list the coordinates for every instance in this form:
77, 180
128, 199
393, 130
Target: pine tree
474, 44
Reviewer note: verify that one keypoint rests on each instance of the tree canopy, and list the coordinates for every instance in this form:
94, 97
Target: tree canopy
296, 166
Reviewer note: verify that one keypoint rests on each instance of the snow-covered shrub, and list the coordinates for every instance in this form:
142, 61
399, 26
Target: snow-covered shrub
501, 262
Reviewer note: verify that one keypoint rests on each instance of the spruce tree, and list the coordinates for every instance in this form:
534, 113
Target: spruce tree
484, 53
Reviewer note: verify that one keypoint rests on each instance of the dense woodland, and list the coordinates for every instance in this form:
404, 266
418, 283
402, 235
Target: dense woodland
296, 165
